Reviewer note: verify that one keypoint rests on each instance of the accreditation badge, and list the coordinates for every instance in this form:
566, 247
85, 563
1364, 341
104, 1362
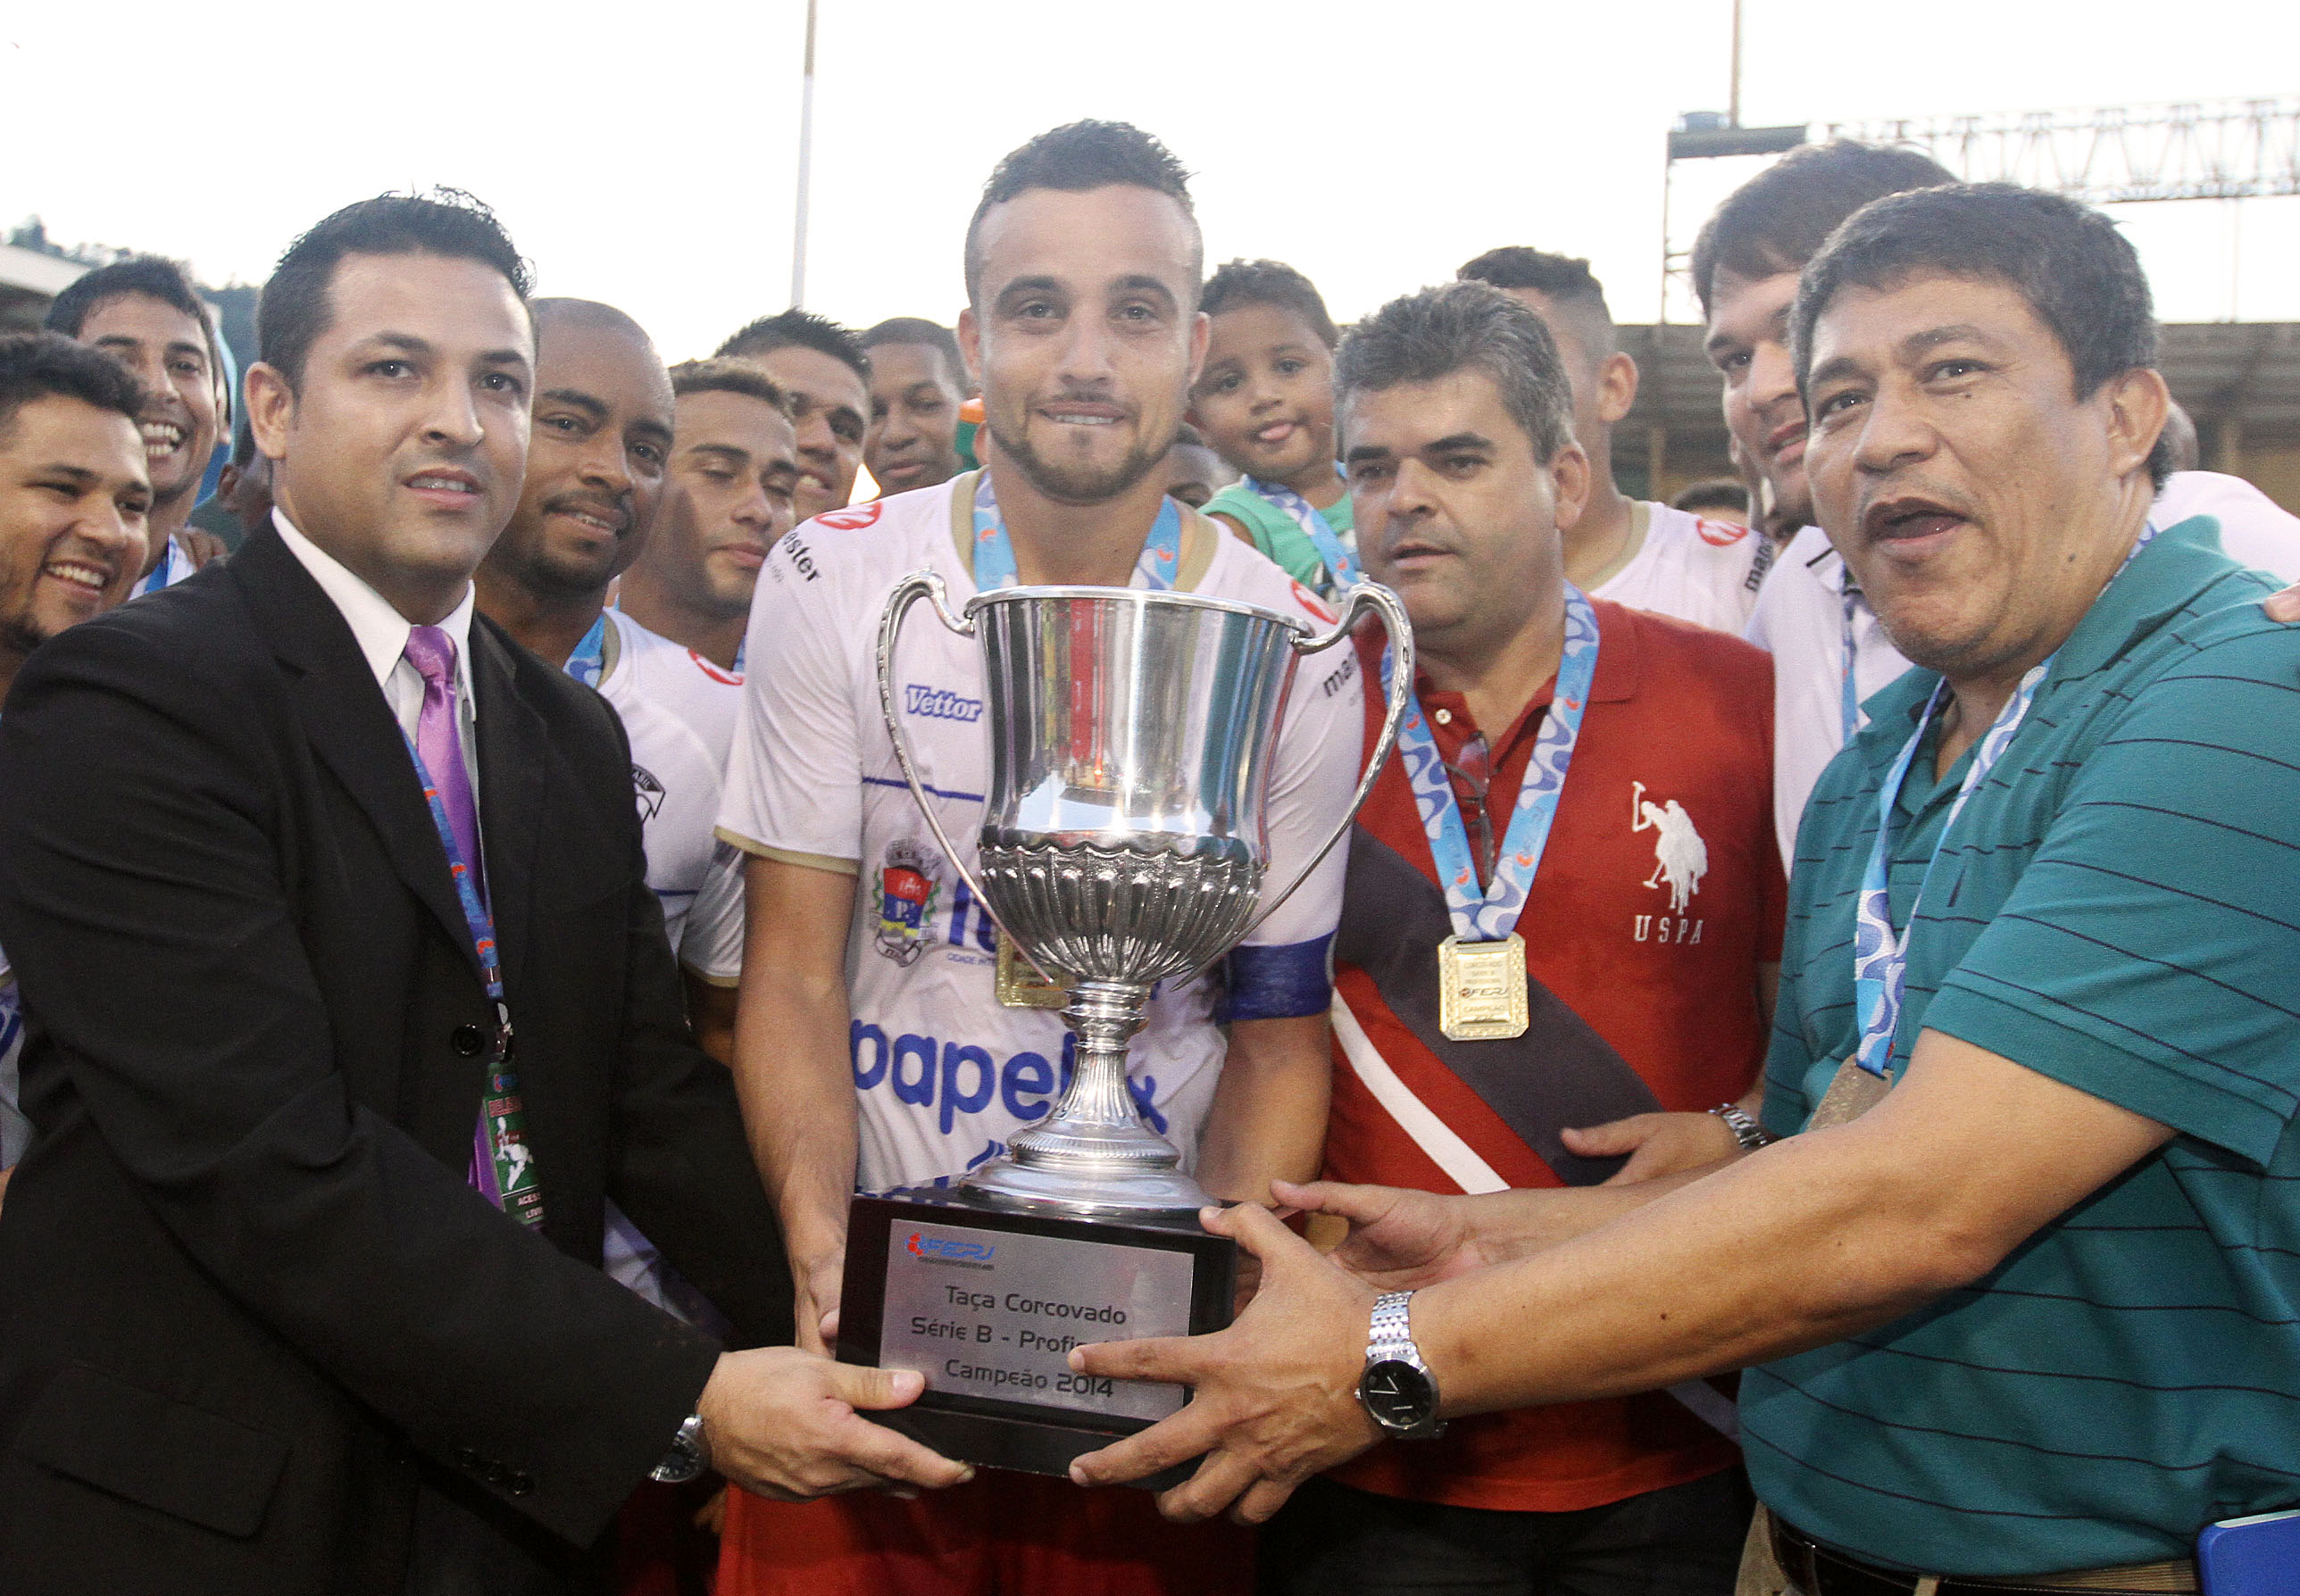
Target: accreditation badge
1481, 989
1852, 1092
1021, 985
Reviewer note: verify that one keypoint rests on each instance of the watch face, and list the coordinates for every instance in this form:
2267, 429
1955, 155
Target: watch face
1397, 1394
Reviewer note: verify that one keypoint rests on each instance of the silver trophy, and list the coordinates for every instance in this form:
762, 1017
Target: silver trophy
1132, 734
1121, 844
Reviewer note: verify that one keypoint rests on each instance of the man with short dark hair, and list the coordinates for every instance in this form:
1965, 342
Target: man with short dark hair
316, 1216
1647, 554
876, 1046
2010, 1290
826, 375
1640, 923
75, 493
918, 381
145, 313
244, 486
1195, 473
1716, 499
1829, 652
730, 493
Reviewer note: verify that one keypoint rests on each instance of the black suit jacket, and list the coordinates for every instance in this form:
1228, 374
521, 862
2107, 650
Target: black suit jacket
246, 1299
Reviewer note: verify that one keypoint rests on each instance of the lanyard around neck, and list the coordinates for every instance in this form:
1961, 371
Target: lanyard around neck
589, 660
1158, 569
1881, 954
1492, 914
1341, 567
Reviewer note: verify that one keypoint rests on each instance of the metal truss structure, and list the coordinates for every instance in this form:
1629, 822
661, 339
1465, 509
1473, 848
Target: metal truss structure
2115, 155
2105, 156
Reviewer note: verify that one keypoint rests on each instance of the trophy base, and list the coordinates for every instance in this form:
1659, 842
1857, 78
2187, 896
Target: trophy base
986, 1297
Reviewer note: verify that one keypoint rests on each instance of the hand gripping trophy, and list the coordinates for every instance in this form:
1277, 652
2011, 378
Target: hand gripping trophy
1132, 738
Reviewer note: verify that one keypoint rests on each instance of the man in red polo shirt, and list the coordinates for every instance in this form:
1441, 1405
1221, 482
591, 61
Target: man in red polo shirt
1563, 907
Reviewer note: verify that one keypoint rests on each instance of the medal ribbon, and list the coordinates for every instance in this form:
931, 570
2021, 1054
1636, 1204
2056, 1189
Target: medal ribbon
590, 655
1341, 567
1852, 694
1494, 916
1157, 569
1881, 955
502, 1168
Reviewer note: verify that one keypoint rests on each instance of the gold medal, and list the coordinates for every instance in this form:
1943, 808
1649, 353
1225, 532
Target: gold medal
1481, 989
1852, 1092
1022, 986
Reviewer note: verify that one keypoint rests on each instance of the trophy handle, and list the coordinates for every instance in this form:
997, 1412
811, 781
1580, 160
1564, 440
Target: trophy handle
1361, 597
909, 591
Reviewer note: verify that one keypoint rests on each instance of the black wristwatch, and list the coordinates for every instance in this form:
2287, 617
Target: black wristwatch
688, 1455
1397, 1389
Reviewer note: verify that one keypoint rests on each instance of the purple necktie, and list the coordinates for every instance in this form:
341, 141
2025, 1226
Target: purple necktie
439, 740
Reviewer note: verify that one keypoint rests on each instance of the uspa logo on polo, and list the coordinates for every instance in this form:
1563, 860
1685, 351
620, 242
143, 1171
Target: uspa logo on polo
939, 703
906, 902
944, 1250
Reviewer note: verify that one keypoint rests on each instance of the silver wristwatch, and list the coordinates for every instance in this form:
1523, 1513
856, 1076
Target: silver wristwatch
1745, 1127
1397, 1389
689, 1456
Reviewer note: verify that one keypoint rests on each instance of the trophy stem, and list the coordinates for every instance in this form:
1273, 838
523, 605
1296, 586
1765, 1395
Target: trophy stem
1093, 1153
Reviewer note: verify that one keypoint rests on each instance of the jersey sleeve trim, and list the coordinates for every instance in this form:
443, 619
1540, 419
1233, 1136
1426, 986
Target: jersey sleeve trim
724, 983
1285, 982
791, 856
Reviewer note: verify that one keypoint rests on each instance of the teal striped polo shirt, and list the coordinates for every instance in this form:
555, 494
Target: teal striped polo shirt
2116, 908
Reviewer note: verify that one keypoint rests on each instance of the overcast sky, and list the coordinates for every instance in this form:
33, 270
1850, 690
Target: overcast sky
643, 155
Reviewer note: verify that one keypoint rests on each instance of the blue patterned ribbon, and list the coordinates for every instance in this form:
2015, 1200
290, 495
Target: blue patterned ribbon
503, 1163
1157, 569
1881, 955
1494, 916
1341, 567
590, 655
1851, 693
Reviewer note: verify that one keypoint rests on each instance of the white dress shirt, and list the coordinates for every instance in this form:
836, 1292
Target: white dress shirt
1800, 619
382, 633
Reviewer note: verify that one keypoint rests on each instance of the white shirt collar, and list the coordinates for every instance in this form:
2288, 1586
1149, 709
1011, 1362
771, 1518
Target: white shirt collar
380, 630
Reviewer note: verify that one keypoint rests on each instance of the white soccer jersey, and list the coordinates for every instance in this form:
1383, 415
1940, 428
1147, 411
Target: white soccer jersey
675, 773
674, 676
1800, 618
944, 1074
1707, 572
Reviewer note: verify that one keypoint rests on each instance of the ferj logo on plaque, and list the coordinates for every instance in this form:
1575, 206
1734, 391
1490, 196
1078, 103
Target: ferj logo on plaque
1132, 734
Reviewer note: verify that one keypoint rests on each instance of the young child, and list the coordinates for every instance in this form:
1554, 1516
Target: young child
1265, 403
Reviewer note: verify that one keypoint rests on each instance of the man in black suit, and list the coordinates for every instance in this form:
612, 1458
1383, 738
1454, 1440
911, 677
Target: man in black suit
299, 1284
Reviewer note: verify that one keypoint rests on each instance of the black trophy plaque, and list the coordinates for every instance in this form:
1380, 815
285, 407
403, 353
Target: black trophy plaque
987, 1301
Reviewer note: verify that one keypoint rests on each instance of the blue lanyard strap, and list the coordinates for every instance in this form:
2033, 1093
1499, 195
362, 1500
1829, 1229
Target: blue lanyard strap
1492, 917
1881, 954
1158, 569
1851, 693
1341, 567
481, 923
590, 655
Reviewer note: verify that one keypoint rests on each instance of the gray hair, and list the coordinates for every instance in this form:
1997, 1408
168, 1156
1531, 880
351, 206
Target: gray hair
1465, 326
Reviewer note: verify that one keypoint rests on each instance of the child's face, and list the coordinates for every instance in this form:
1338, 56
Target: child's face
1265, 400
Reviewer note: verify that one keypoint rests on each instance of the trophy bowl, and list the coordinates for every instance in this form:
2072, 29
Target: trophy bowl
1133, 736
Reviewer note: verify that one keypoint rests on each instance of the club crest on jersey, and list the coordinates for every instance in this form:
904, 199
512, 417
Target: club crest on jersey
1681, 859
906, 902
648, 791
